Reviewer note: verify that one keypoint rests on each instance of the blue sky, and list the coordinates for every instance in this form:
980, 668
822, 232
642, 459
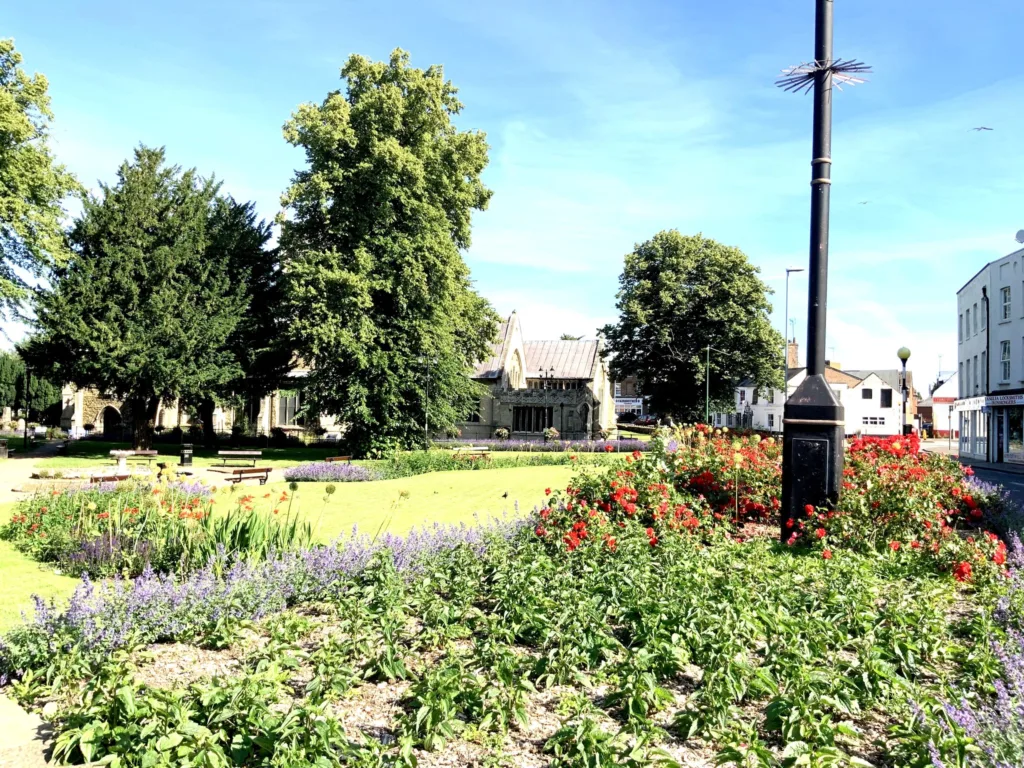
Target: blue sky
607, 122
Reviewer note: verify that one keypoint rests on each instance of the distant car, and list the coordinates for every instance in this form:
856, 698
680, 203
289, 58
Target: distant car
627, 418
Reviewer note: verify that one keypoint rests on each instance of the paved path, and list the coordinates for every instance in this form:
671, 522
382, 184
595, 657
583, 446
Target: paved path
17, 469
24, 738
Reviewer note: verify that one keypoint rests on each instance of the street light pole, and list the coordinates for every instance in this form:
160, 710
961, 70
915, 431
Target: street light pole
785, 332
707, 384
904, 354
813, 418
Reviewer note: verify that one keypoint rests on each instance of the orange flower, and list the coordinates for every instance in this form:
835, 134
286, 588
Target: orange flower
827, 554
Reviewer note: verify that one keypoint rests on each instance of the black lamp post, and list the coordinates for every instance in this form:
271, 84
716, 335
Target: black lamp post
904, 354
813, 419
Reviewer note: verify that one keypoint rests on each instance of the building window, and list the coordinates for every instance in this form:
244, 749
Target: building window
771, 421
975, 318
984, 372
967, 378
288, 405
873, 421
771, 395
531, 418
474, 416
967, 324
618, 389
976, 385
866, 394
743, 395
1005, 292
960, 328
886, 398
754, 400
1005, 359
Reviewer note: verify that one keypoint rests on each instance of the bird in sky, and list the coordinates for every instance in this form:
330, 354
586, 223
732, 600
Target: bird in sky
982, 128
863, 202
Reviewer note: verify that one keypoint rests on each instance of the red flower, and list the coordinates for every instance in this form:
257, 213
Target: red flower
820, 533
547, 491
1000, 556
541, 531
962, 572
827, 554
790, 523
809, 509
915, 544
608, 449
42, 509
894, 546
968, 471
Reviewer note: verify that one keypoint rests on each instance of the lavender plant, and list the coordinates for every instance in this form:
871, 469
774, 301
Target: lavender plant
330, 472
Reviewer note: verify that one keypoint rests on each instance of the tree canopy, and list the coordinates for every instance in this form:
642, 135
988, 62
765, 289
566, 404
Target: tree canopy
384, 311
679, 294
32, 184
140, 309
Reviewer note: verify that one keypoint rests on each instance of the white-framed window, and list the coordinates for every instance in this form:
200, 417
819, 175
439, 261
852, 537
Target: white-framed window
960, 328
873, 421
743, 395
1005, 294
967, 324
977, 386
866, 394
771, 395
771, 421
984, 372
967, 379
975, 318
885, 398
754, 399
1004, 358
289, 403
618, 389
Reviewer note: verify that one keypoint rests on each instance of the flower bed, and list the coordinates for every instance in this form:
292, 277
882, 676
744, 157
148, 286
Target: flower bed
572, 446
638, 619
330, 472
122, 528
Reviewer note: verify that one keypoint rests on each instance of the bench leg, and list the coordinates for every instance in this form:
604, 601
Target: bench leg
263, 480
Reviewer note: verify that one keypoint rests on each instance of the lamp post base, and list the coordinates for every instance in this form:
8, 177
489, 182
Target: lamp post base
812, 452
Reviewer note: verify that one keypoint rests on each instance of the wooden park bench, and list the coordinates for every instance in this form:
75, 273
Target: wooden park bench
246, 473
472, 453
332, 459
139, 456
239, 456
97, 479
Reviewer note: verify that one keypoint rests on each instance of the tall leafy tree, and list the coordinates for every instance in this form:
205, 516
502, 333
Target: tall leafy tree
258, 345
32, 184
11, 370
139, 309
384, 311
679, 294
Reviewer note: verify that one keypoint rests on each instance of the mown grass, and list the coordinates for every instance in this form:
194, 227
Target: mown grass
386, 505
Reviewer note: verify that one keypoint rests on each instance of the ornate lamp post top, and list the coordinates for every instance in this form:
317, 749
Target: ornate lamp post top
903, 354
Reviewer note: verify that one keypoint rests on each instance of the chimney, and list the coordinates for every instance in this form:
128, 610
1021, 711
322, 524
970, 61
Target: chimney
792, 358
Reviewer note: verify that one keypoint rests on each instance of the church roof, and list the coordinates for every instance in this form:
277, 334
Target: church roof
561, 359
490, 368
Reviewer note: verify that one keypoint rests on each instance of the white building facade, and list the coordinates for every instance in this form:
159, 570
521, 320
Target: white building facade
990, 349
872, 405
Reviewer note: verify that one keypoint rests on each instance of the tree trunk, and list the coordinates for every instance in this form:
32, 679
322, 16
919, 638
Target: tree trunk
206, 409
144, 412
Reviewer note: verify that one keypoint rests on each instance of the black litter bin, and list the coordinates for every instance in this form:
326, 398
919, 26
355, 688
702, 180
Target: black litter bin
186, 454
3, 449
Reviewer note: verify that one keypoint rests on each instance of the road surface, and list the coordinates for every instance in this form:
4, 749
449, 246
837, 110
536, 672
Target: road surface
1013, 483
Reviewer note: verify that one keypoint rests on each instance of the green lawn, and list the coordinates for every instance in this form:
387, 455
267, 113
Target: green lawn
385, 505
398, 505
91, 453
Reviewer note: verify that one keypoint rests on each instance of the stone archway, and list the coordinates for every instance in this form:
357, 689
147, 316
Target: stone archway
112, 423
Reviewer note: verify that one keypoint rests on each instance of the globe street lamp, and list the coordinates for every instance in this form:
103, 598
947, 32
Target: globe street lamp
904, 354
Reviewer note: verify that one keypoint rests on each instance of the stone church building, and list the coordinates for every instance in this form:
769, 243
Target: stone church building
534, 385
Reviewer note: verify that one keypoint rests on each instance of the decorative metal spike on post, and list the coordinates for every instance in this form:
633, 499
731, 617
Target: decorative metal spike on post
813, 424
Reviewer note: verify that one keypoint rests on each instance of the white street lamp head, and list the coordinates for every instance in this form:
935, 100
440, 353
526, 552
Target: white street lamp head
794, 269
903, 354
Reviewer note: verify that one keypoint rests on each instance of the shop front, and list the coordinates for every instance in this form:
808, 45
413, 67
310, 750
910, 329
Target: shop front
992, 428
